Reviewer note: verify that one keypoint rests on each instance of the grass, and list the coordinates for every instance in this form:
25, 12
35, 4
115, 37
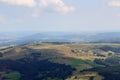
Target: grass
12, 76
77, 62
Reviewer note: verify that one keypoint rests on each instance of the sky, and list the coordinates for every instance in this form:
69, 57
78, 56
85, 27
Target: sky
59, 15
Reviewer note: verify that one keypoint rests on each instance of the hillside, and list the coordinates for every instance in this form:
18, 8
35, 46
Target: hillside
69, 58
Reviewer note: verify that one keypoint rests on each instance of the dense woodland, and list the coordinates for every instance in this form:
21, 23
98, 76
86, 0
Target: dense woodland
109, 72
31, 68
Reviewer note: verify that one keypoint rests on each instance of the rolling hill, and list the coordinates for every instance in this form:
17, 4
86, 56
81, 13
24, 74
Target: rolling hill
26, 38
57, 61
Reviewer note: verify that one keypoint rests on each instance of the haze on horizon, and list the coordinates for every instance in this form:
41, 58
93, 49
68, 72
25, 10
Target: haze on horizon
60, 15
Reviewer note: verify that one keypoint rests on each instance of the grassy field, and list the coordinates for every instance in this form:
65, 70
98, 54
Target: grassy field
12, 76
78, 62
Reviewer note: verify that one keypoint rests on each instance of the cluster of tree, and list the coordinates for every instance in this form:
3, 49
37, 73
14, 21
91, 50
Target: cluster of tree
1, 55
110, 69
111, 61
109, 48
32, 68
58, 42
109, 72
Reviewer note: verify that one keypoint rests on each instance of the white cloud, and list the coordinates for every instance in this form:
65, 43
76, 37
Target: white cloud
46, 5
115, 3
28, 3
56, 6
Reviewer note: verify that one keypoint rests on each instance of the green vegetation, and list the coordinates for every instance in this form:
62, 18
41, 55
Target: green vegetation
34, 69
110, 48
78, 62
110, 61
12, 76
109, 72
61, 61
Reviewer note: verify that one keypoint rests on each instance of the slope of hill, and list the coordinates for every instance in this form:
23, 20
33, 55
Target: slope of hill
57, 61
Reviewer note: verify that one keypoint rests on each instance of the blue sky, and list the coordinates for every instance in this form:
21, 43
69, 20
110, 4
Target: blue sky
60, 15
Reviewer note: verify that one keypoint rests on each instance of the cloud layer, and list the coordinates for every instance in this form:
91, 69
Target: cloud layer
56, 5
46, 5
28, 3
115, 3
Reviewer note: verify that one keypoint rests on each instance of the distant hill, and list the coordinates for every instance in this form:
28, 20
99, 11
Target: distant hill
25, 38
